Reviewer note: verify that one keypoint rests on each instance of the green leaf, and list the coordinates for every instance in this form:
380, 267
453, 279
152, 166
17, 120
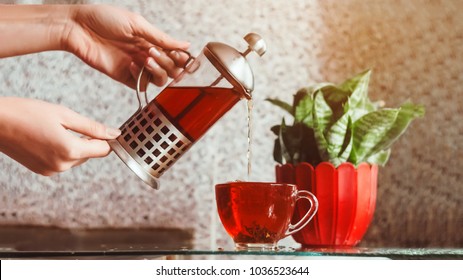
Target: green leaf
277, 156
275, 129
378, 130
334, 94
308, 146
358, 104
358, 86
357, 113
369, 131
277, 147
283, 105
303, 111
348, 150
335, 136
407, 113
322, 111
321, 118
316, 87
336, 99
345, 144
379, 158
285, 154
300, 94
295, 144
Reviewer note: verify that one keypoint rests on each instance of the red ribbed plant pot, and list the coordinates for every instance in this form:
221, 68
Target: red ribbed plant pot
346, 197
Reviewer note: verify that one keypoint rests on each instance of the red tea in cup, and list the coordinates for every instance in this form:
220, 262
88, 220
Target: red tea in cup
257, 214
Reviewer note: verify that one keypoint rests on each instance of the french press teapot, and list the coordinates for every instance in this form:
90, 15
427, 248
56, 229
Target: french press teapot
163, 129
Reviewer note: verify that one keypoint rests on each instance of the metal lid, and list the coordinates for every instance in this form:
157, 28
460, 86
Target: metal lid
233, 64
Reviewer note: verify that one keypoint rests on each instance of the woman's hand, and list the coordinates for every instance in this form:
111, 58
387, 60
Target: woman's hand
118, 43
40, 136
111, 40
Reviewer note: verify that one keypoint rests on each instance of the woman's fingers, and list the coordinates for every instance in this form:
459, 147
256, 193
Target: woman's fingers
153, 72
83, 125
89, 148
93, 144
180, 58
79, 162
165, 61
162, 64
159, 74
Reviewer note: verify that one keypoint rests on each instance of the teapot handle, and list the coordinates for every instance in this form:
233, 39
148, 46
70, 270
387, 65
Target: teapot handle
141, 95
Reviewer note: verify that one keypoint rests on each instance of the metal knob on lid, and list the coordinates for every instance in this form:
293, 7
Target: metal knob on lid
256, 44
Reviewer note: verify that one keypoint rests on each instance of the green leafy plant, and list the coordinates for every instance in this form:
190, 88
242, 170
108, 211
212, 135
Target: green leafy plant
339, 123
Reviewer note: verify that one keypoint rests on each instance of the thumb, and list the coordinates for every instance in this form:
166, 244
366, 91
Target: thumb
91, 148
88, 127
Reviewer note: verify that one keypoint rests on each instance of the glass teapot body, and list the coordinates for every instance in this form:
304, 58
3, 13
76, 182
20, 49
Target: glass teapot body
196, 100
163, 129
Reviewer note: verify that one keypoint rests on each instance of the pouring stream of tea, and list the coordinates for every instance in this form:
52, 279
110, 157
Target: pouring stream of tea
249, 106
248, 154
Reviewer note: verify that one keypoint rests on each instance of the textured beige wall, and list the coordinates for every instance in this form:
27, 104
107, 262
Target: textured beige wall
414, 48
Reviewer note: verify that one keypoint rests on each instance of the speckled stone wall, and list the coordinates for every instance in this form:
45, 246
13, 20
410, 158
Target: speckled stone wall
415, 51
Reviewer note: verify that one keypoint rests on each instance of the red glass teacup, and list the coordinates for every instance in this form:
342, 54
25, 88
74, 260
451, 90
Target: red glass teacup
257, 214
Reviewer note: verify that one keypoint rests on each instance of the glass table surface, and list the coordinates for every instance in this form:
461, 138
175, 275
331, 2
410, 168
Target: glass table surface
53, 243
282, 253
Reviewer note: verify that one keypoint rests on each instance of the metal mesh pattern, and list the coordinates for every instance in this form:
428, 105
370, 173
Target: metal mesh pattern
152, 140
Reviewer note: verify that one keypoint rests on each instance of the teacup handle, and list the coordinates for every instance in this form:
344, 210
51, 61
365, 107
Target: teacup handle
308, 216
141, 95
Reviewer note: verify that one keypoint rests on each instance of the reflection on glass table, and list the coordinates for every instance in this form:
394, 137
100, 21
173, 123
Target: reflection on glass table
53, 243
